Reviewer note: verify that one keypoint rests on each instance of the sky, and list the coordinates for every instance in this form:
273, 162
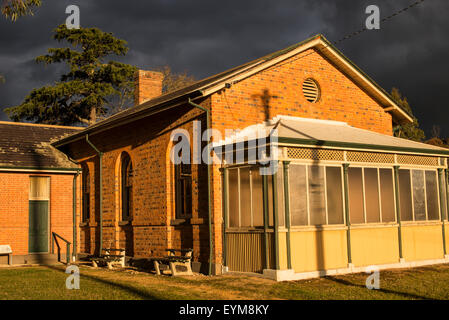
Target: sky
205, 37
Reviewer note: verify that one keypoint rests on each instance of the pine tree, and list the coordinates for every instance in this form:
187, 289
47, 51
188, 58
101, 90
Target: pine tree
90, 86
14, 9
410, 131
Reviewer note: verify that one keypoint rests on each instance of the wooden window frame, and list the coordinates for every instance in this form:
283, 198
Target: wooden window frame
86, 186
183, 191
126, 187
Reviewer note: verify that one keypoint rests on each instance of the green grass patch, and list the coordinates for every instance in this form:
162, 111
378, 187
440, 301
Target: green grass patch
99, 284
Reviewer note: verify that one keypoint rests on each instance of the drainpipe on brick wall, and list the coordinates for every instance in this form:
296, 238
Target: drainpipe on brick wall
74, 216
209, 197
100, 156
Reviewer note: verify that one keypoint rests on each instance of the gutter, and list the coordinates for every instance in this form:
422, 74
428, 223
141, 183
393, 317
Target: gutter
100, 156
209, 197
40, 170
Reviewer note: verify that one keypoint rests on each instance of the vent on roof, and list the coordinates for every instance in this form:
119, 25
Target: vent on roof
311, 90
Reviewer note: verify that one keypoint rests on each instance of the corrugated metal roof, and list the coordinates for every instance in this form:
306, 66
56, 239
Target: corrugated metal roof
316, 132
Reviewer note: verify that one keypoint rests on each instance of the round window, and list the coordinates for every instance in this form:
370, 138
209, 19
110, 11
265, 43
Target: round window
311, 90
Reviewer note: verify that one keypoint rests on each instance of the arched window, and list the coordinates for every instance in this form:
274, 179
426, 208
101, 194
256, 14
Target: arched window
86, 194
126, 187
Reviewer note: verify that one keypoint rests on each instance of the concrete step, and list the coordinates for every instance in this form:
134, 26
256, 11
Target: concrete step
42, 258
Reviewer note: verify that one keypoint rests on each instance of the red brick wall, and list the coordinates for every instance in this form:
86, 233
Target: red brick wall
341, 99
151, 231
14, 208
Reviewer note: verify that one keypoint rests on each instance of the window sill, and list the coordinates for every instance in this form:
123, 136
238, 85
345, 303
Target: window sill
177, 222
373, 225
422, 223
327, 227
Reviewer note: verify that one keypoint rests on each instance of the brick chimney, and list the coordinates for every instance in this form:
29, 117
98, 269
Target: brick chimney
148, 86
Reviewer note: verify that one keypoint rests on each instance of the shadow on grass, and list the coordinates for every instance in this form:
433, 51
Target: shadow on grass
403, 294
142, 294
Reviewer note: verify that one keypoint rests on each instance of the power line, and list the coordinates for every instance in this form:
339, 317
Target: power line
348, 36
353, 34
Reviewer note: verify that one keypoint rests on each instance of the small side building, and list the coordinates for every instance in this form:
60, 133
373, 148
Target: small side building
36, 191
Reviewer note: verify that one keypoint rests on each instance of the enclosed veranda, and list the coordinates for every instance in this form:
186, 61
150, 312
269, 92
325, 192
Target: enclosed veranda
341, 199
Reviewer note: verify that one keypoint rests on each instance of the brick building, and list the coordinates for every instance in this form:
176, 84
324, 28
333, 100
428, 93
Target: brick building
36, 188
346, 194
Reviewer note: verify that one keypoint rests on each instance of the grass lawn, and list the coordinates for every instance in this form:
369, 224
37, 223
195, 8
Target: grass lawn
49, 283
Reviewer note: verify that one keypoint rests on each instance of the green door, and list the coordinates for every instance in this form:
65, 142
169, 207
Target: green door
38, 230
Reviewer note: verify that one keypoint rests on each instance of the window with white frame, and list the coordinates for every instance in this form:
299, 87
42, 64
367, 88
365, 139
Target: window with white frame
245, 198
371, 195
418, 194
316, 195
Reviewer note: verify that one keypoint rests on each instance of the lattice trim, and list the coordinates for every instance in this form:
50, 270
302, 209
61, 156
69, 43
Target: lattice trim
374, 157
315, 154
418, 160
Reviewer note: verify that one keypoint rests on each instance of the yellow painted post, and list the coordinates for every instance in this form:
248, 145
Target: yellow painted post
443, 216
398, 209
348, 222
287, 214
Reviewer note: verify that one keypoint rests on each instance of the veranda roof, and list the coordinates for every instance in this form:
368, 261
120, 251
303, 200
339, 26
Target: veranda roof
327, 133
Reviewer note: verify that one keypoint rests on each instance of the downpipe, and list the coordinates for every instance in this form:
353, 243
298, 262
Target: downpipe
209, 197
100, 156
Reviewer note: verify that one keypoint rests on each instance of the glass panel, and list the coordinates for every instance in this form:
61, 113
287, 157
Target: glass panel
355, 195
405, 195
334, 195
233, 195
298, 199
39, 188
432, 196
280, 185
372, 195
387, 195
245, 198
419, 204
257, 198
316, 195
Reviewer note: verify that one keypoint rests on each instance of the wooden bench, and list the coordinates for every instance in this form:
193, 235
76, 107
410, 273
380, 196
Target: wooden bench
110, 259
6, 250
183, 260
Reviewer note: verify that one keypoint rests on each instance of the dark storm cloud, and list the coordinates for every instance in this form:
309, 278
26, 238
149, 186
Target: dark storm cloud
206, 37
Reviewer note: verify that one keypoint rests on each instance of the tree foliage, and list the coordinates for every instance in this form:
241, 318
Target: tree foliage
173, 81
409, 131
13, 9
90, 86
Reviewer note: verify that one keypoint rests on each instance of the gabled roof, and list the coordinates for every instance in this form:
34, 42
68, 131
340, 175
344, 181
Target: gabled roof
28, 146
208, 86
